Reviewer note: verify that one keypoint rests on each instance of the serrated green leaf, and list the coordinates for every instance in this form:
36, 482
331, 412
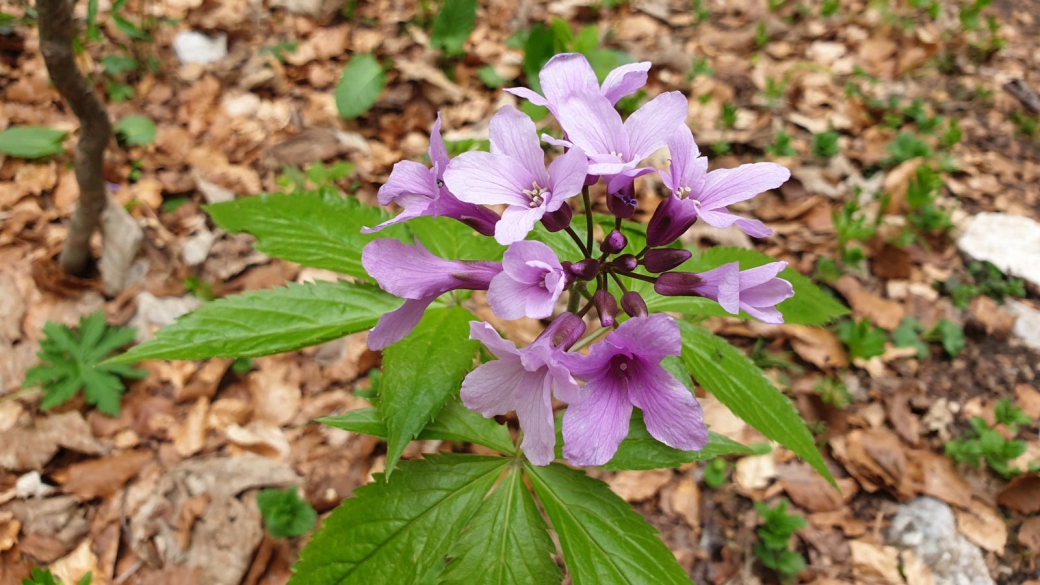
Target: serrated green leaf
285, 514
118, 64
421, 372
454, 422
808, 306
604, 541
739, 384
360, 86
453, 25
640, 450
454, 240
562, 244
31, 141
397, 532
265, 322
321, 229
506, 542
136, 130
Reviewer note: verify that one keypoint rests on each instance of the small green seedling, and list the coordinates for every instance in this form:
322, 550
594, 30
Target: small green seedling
781, 145
825, 144
729, 115
861, 338
850, 225
285, 514
774, 537
949, 334
904, 147
71, 361
715, 472
987, 280
1009, 415
908, 334
981, 442
922, 195
45, 577
833, 391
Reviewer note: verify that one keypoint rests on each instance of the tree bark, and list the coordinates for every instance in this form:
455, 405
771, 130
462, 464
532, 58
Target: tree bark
56, 35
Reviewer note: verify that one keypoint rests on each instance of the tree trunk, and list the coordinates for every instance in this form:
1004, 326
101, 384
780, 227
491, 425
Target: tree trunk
56, 34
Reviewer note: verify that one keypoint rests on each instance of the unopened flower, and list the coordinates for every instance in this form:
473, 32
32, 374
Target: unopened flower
524, 380
530, 283
514, 174
757, 290
420, 191
569, 73
622, 371
696, 193
414, 274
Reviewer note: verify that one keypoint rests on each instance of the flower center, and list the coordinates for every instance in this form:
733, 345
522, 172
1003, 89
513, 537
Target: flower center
621, 365
536, 194
619, 156
682, 193
440, 183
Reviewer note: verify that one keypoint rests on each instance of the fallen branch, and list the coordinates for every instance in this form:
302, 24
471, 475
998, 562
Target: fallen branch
1024, 94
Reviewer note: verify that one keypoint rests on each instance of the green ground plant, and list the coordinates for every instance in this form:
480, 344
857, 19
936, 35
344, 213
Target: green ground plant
773, 547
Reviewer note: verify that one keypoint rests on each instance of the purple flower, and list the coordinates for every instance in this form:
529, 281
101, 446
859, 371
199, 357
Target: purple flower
420, 191
569, 73
513, 173
414, 274
524, 380
757, 290
531, 281
697, 193
623, 371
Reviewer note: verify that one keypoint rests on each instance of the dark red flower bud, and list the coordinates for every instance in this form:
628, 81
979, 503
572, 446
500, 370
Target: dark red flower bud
586, 269
633, 304
664, 259
621, 205
565, 330
613, 243
626, 262
558, 220
606, 306
677, 284
669, 221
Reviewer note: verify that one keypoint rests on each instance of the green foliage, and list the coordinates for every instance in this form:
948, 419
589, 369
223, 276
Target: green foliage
360, 86
761, 35
630, 103
922, 194
453, 25
908, 334
421, 373
1025, 124
861, 338
850, 225
604, 541
641, 451
506, 541
1009, 415
952, 135
721, 148
280, 49
774, 91
118, 92
316, 177
136, 130
780, 360
987, 280
829, 7
833, 391
980, 442
417, 517
540, 43
808, 306
715, 473
700, 11
448, 238
774, 535
118, 64
781, 145
949, 334
31, 141
969, 13
44, 577
490, 78
731, 377
71, 361
285, 514
701, 66
265, 322
457, 147
904, 147
825, 144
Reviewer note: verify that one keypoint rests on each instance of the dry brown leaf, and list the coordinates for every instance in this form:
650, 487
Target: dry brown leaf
190, 435
876, 457
1022, 494
881, 312
936, 476
205, 380
9, 527
891, 262
914, 569
72, 567
1028, 534
870, 560
259, 437
755, 472
1028, 399
639, 486
275, 388
842, 518
809, 490
896, 182
993, 319
983, 526
103, 477
30, 447
683, 500
817, 346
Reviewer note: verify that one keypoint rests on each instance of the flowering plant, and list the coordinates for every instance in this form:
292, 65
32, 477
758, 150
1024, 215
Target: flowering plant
617, 300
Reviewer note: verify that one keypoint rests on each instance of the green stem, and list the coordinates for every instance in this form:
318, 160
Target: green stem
573, 299
618, 281
577, 240
593, 337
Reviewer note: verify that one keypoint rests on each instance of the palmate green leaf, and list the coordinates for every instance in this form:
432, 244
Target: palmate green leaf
739, 384
454, 422
453, 25
454, 240
506, 542
397, 531
31, 141
265, 322
808, 306
421, 372
604, 541
321, 229
360, 86
640, 450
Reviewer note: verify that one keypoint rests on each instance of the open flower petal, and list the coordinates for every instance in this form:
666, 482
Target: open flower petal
671, 413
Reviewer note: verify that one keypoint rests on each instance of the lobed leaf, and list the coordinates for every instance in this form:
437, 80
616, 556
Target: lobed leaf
265, 322
454, 240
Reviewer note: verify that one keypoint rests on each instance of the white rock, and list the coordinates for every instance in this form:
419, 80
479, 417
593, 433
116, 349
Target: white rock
154, 313
31, 485
196, 248
122, 241
1010, 242
194, 47
1027, 326
928, 527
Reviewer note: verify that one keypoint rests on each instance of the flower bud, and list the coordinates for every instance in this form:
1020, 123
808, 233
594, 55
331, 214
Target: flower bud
565, 330
626, 262
606, 306
621, 205
586, 269
613, 243
664, 259
668, 223
633, 304
677, 284
558, 220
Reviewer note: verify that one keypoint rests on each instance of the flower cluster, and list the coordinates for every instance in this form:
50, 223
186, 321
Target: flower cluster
624, 369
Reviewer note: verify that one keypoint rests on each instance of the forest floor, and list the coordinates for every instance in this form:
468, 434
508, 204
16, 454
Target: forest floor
901, 87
